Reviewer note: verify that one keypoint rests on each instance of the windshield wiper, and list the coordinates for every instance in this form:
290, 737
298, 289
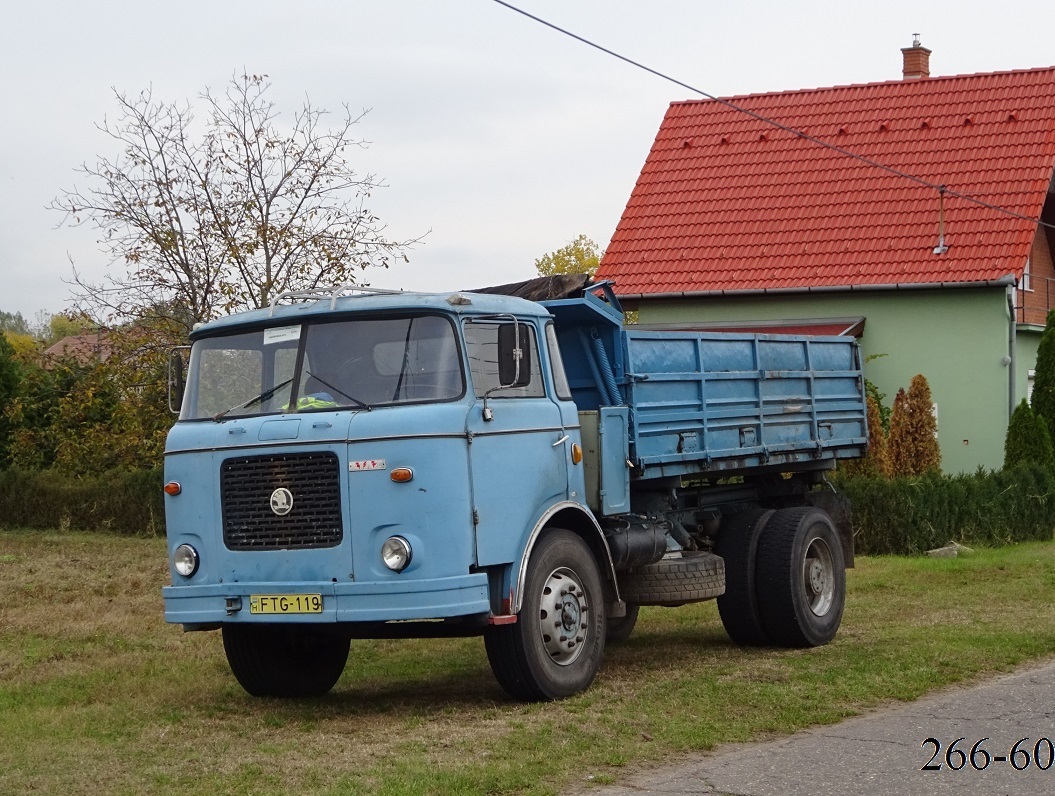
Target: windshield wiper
338, 390
252, 401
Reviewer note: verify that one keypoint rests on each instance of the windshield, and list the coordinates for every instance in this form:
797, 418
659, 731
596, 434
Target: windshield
358, 364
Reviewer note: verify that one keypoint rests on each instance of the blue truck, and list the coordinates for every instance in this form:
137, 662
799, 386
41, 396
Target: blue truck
356, 463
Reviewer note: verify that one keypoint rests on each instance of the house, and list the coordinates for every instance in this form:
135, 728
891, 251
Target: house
86, 348
903, 213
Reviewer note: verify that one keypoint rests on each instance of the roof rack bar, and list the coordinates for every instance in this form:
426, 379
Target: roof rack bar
332, 293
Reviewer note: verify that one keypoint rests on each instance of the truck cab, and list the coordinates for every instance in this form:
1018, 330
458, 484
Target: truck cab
372, 464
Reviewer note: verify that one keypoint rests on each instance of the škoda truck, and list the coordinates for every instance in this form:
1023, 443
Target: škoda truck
363, 464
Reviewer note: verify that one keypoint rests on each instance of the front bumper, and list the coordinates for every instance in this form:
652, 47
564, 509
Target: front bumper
399, 600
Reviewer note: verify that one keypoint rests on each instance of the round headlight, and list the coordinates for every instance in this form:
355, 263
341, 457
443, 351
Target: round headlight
395, 552
185, 560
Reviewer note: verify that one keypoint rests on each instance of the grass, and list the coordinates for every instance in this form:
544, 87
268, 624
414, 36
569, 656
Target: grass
99, 696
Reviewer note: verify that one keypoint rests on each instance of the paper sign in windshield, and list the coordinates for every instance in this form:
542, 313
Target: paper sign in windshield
281, 334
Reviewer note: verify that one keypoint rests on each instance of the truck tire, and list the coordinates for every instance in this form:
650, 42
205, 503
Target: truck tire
801, 577
693, 577
555, 647
290, 661
738, 607
619, 630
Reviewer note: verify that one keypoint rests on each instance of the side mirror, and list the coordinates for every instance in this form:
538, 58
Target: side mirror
514, 356
176, 379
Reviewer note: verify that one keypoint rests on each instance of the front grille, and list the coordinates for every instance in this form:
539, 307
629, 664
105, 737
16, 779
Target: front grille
247, 489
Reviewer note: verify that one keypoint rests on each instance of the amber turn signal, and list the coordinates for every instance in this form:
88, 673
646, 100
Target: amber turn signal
402, 474
576, 453
173, 488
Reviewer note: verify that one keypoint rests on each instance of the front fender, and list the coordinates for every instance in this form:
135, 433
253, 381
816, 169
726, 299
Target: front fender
580, 520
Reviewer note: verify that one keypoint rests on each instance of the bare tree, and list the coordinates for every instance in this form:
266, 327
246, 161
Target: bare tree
225, 221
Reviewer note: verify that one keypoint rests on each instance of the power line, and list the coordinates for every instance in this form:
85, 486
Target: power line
942, 189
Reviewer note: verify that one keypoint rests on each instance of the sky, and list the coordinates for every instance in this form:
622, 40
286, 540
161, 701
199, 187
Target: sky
498, 139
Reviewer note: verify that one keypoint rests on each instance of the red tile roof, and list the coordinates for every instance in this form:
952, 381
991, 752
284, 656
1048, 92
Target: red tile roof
84, 348
727, 202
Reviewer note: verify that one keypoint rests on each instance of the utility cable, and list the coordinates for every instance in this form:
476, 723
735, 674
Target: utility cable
942, 189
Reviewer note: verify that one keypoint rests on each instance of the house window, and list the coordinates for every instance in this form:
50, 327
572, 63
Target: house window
1027, 281
1029, 386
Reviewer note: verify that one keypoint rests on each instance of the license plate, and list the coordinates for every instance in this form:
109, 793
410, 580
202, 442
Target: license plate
285, 604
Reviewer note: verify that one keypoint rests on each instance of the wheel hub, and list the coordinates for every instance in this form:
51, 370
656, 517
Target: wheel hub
816, 577
818, 573
564, 615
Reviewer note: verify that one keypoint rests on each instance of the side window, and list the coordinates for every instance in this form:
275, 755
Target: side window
481, 343
560, 378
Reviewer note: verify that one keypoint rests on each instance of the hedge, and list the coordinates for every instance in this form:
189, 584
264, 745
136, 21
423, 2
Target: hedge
912, 515
119, 501
890, 516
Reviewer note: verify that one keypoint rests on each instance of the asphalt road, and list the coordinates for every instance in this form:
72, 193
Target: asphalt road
885, 752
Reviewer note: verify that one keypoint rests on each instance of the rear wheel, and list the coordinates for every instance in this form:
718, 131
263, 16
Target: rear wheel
285, 660
555, 647
801, 577
738, 607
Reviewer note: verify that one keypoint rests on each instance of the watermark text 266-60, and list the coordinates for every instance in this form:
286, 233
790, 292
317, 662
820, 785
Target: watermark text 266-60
958, 756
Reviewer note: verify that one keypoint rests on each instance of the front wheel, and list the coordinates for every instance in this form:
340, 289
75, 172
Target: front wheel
800, 577
285, 660
619, 630
555, 647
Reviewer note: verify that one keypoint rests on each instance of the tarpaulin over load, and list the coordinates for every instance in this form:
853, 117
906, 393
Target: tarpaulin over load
543, 288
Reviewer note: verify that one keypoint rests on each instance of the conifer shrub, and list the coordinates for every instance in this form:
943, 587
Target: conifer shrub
913, 443
1043, 399
1027, 438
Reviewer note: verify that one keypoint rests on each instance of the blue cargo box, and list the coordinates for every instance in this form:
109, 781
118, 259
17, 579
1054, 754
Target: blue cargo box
709, 402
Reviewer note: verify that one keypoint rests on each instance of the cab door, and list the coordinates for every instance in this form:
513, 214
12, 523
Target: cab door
518, 445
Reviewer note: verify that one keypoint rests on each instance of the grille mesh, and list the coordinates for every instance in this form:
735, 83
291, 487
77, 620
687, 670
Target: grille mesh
246, 486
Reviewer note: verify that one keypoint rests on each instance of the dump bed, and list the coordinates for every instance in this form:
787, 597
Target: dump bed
707, 402
713, 402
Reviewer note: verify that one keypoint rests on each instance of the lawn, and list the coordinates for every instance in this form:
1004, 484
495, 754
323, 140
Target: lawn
99, 696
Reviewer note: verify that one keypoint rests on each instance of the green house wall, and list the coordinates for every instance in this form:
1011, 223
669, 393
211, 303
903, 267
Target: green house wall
960, 339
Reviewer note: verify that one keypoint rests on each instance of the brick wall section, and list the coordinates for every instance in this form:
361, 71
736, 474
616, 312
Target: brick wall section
1033, 305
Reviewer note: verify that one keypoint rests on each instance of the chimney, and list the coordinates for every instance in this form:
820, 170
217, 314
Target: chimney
916, 60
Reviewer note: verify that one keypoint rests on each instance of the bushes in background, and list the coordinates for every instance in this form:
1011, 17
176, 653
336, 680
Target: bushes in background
1027, 438
120, 501
911, 515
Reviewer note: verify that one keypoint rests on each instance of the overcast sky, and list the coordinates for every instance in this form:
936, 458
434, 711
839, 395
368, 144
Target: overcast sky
500, 138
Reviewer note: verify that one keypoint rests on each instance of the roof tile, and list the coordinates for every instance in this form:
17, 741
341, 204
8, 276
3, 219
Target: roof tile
727, 202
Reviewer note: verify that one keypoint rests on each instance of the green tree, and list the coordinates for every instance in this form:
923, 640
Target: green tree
1027, 438
92, 414
913, 444
33, 414
13, 323
1043, 398
10, 376
580, 256
24, 345
67, 325
197, 226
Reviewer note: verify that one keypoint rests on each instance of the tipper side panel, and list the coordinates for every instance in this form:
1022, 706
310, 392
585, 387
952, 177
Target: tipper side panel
719, 402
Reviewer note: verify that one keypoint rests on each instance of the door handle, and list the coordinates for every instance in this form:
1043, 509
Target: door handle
561, 441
